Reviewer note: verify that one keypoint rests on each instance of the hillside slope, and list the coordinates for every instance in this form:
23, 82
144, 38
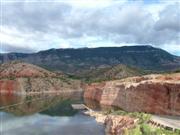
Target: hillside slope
24, 78
109, 73
76, 60
20, 69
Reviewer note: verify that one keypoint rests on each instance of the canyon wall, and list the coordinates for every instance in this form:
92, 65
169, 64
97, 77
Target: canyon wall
157, 94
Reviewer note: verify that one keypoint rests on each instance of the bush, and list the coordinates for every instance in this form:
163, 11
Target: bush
142, 128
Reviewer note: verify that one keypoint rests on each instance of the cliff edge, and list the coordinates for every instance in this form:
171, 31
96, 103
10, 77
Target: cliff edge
156, 94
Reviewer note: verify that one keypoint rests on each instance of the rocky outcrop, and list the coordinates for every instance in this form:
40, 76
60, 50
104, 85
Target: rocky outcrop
20, 69
38, 85
114, 124
117, 125
159, 94
24, 78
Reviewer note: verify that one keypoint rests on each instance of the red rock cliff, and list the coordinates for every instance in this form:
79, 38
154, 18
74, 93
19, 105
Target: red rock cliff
23, 78
159, 94
9, 86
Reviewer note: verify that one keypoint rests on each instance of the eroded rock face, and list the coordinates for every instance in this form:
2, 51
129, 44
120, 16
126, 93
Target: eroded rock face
116, 125
38, 85
20, 69
24, 78
159, 94
9, 86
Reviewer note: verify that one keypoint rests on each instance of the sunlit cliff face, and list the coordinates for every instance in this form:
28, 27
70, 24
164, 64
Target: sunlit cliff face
157, 94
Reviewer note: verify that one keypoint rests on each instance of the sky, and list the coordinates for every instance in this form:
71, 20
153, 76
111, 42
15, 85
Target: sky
32, 25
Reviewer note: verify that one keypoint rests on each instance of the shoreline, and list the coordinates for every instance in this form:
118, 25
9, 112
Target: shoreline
114, 124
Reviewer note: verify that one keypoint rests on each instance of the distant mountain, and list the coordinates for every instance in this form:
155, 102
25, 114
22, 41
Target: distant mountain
76, 60
109, 73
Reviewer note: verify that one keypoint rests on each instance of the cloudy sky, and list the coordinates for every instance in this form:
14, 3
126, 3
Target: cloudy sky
33, 25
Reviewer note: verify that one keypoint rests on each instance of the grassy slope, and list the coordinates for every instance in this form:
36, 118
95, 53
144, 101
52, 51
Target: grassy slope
109, 73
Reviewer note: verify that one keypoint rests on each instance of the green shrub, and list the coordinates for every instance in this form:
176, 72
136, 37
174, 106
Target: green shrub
142, 128
143, 117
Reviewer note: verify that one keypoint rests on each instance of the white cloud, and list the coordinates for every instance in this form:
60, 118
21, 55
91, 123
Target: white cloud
91, 3
173, 48
41, 25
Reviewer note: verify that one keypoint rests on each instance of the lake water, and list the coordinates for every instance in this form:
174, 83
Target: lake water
44, 115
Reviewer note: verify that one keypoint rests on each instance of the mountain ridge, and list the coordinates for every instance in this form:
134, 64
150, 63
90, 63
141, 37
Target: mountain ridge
74, 60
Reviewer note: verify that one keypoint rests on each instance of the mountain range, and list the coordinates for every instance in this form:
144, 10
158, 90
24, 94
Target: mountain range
75, 60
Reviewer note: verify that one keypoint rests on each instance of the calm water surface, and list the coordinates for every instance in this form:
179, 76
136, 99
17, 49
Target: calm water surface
44, 115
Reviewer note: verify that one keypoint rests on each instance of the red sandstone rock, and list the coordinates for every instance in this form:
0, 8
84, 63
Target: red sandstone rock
24, 78
20, 69
116, 125
159, 94
9, 86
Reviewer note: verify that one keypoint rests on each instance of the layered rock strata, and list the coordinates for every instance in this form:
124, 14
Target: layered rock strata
24, 78
158, 94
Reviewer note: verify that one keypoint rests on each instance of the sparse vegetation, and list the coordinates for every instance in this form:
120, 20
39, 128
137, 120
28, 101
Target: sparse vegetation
64, 80
142, 117
145, 129
142, 127
74, 60
36, 79
11, 78
109, 73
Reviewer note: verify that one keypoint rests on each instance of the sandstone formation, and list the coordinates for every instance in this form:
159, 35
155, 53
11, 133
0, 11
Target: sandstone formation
158, 94
99, 116
23, 78
114, 124
20, 69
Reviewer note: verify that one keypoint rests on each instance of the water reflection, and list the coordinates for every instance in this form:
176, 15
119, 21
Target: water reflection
45, 115
26, 105
10, 99
95, 105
